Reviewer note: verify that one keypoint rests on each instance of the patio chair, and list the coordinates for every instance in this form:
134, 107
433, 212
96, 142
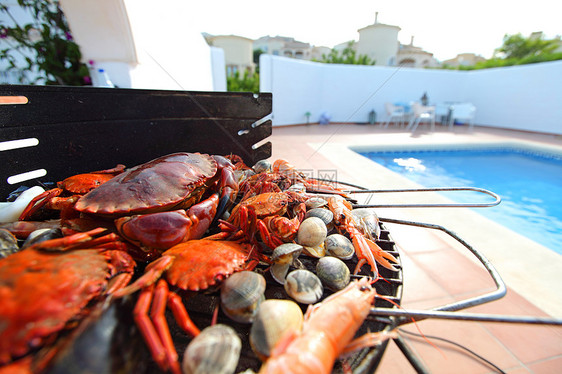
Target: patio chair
395, 113
421, 113
463, 112
442, 113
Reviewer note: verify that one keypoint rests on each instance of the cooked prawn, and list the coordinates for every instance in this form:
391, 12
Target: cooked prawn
327, 333
367, 250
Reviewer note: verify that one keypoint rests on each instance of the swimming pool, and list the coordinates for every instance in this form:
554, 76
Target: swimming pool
529, 183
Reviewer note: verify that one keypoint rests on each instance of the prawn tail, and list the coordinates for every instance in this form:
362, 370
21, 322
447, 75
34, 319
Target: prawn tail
382, 257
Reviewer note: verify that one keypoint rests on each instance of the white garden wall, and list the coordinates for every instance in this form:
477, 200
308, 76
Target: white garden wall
527, 97
141, 45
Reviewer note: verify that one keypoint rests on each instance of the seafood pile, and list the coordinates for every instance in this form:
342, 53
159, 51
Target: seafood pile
230, 267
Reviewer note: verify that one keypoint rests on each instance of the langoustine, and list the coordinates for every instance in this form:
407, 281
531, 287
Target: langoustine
327, 333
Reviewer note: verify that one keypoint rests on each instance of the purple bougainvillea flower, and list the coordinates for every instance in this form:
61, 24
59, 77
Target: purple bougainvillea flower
87, 80
3, 33
91, 62
68, 36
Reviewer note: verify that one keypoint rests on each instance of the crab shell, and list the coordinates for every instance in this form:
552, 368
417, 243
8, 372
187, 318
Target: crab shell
266, 204
83, 183
199, 264
175, 181
42, 291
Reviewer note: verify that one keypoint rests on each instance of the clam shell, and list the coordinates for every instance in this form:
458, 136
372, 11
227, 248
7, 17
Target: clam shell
241, 295
315, 202
318, 251
333, 273
262, 166
274, 319
303, 286
215, 350
298, 187
339, 246
312, 232
8, 243
279, 272
283, 257
324, 214
286, 253
41, 235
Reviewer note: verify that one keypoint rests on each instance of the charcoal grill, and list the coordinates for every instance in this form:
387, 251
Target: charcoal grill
72, 130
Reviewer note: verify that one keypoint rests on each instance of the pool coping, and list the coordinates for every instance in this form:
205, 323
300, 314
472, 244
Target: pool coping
527, 146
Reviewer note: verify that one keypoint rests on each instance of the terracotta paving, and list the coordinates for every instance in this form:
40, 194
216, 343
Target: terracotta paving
436, 273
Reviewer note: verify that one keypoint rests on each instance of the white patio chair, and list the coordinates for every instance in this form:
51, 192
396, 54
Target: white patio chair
442, 111
421, 113
463, 112
394, 113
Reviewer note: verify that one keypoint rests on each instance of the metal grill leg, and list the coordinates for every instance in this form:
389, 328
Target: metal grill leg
411, 356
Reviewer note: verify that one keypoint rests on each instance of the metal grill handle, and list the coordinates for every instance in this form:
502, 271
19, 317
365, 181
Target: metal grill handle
496, 197
448, 311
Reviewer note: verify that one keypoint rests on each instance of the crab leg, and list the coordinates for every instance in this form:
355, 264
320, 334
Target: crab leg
38, 202
158, 317
89, 239
146, 327
181, 316
152, 273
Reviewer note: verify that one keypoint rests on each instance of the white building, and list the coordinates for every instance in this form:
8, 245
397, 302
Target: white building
379, 42
464, 59
415, 57
284, 46
238, 52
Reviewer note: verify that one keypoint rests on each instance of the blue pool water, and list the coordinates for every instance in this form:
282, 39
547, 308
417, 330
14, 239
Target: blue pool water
530, 185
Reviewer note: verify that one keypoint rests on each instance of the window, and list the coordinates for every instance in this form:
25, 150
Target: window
231, 70
407, 62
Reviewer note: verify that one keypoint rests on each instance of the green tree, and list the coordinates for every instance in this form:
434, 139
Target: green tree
42, 51
248, 83
518, 50
256, 55
517, 46
347, 56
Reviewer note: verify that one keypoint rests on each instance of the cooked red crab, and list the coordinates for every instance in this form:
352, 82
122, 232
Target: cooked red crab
152, 198
43, 289
191, 266
68, 191
158, 204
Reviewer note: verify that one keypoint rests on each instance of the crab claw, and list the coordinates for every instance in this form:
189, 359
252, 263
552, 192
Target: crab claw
163, 230
228, 184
